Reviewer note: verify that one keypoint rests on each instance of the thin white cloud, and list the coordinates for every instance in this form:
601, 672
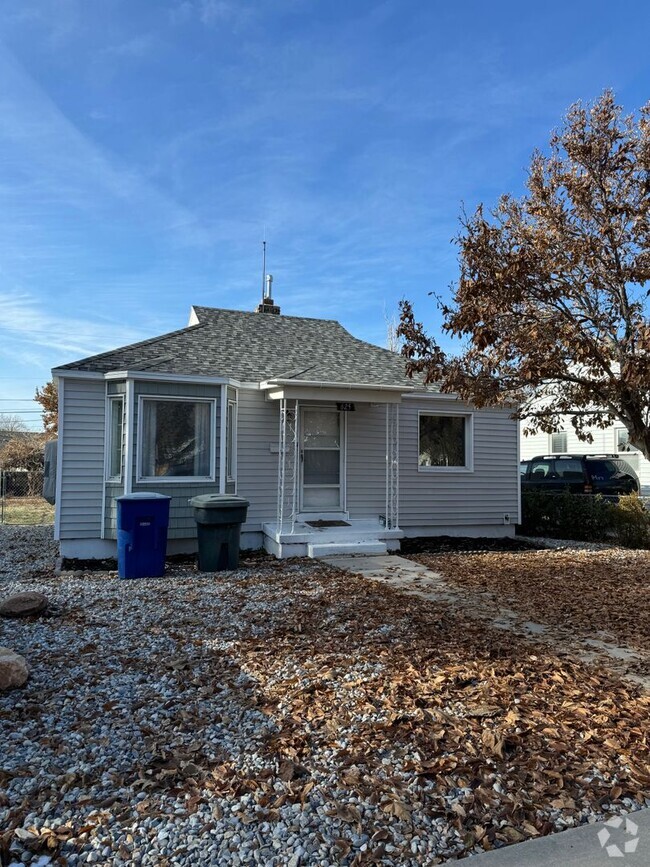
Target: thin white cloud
210, 12
70, 169
137, 47
32, 329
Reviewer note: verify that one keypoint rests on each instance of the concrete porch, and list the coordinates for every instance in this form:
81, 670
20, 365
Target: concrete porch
361, 536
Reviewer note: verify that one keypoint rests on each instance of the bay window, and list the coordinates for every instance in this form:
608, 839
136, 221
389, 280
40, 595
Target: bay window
114, 432
176, 439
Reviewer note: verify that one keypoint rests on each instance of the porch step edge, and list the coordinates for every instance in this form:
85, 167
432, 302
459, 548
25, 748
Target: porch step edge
330, 549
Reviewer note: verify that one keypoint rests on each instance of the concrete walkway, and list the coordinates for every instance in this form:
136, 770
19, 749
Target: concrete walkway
597, 845
580, 847
412, 577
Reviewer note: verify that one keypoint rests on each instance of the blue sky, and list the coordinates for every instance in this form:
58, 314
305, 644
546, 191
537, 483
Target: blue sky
146, 146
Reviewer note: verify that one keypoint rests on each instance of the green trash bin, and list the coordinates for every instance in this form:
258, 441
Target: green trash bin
218, 521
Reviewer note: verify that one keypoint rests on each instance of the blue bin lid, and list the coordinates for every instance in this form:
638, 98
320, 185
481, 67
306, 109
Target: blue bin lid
144, 495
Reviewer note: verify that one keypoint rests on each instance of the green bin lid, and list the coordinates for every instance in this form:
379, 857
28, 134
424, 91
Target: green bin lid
217, 501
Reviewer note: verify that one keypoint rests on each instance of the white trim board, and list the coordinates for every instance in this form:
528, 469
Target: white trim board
58, 484
222, 438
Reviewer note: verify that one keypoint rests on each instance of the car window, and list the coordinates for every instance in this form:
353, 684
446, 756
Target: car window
523, 466
541, 469
570, 470
602, 471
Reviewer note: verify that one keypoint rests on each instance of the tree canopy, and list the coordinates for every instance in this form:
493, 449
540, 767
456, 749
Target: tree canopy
48, 397
11, 424
552, 299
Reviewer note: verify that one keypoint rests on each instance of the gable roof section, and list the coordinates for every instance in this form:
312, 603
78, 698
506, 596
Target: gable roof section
253, 347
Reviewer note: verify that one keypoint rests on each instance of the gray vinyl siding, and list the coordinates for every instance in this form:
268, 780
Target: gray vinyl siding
452, 499
82, 464
181, 515
113, 490
366, 461
258, 425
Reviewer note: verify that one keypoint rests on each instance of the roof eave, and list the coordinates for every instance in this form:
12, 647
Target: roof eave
274, 383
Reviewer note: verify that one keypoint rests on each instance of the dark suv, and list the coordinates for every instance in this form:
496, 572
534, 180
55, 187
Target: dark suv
608, 475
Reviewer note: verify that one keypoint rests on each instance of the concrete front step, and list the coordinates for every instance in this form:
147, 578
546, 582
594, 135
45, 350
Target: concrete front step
333, 549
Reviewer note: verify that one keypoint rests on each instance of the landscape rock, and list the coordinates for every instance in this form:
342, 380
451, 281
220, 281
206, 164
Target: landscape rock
23, 604
14, 670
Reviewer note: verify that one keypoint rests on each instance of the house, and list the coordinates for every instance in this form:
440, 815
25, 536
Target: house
311, 425
613, 439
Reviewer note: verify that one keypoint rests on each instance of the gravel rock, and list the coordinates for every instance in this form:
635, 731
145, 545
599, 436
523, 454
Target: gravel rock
23, 604
14, 670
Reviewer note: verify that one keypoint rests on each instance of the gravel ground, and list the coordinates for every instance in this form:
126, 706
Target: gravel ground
565, 544
290, 714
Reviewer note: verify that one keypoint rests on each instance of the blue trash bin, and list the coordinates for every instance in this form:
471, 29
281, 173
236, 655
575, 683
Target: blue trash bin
142, 521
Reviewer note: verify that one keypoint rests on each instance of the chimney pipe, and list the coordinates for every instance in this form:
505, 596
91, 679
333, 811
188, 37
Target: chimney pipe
267, 305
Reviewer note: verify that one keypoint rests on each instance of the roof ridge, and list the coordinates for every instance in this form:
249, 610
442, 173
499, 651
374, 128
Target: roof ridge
279, 317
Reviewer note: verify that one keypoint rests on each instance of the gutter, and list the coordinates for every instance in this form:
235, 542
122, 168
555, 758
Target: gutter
274, 383
145, 375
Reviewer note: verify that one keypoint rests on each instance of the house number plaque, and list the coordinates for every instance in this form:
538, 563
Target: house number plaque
345, 407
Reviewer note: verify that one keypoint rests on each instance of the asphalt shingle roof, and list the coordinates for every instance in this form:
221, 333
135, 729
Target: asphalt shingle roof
252, 347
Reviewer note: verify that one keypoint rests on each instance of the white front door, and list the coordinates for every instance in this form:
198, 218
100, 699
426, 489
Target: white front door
321, 460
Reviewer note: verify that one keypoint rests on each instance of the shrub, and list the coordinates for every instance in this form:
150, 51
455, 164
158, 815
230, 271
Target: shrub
632, 522
586, 518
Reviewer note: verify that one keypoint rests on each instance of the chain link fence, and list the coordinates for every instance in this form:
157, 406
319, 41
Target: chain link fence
21, 500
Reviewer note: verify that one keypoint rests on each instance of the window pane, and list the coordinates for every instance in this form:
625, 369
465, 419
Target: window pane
541, 469
321, 498
570, 470
115, 456
321, 467
623, 441
320, 429
601, 471
442, 441
176, 438
230, 440
559, 441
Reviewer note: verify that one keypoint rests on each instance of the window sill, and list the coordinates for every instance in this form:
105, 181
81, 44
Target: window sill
446, 470
176, 480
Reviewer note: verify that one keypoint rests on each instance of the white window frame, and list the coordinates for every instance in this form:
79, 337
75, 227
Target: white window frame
231, 439
469, 441
565, 450
176, 480
627, 448
111, 399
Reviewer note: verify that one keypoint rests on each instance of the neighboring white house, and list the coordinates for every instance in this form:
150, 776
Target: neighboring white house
613, 439
296, 415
